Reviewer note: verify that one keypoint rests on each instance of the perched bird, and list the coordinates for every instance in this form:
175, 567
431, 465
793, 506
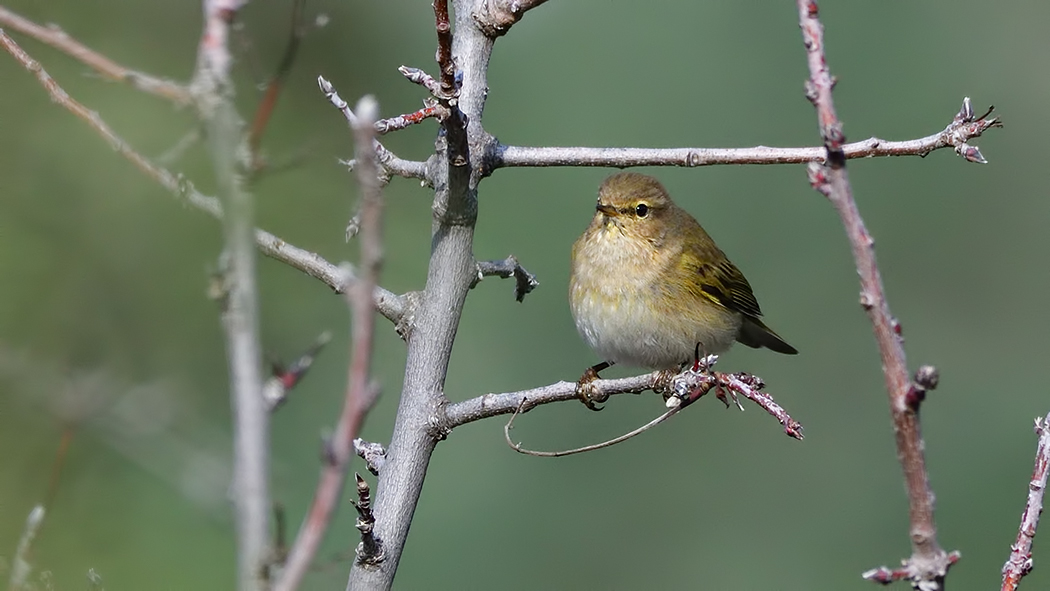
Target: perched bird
650, 288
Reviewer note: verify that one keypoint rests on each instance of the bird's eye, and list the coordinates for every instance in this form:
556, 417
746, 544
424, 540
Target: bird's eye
641, 210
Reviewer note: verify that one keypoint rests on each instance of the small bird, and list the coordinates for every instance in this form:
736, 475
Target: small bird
650, 288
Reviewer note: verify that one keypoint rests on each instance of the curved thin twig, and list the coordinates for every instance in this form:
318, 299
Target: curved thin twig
568, 452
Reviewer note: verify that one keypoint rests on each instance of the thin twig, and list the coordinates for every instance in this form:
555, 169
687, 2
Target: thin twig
524, 282
496, 17
388, 304
276, 84
432, 111
929, 563
359, 393
955, 135
20, 565
60, 40
391, 163
444, 50
579, 450
1019, 563
417, 76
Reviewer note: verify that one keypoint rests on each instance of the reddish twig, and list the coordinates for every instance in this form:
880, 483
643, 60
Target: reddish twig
692, 383
1020, 562
496, 17
276, 85
60, 461
444, 50
60, 40
928, 563
436, 111
360, 392
285, 377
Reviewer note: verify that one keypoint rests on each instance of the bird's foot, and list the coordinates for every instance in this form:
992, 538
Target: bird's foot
585, 389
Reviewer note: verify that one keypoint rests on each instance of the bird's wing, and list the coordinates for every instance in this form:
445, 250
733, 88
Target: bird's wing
724, 284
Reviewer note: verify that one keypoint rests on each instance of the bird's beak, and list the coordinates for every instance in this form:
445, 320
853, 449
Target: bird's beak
608, 210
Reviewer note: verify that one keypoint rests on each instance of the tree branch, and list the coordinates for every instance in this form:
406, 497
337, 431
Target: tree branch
1020, 562
456, 171
391, 163
390, 305
955, 135
359, 392
251, 426
492, 405
52, 35
524, 282
929, 563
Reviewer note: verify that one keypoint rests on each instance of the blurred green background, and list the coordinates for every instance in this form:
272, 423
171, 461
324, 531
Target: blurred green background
104, 323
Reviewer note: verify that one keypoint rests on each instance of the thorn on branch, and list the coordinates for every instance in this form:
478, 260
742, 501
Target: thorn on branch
524, 281
369, 550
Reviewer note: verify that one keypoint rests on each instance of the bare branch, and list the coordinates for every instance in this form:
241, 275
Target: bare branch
955, 135
391, 163
400, 122
929, 563
1020, 562
360, 393
455, 171
491, 405
524, 282
496, 17
60, 40
388, 304
213, 92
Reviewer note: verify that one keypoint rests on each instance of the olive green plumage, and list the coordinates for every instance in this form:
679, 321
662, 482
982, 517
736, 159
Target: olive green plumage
649, 284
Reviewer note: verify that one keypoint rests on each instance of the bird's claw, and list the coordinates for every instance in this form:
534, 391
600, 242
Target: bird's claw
586, 391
